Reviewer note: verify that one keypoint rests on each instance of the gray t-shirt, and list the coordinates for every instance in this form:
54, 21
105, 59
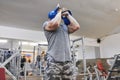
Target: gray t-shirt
58, 43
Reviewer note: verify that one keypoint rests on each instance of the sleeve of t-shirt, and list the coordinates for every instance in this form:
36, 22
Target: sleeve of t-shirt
44, 24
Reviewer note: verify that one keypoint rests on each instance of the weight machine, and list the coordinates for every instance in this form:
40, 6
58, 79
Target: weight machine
113, 72
90, 75
99, 75
42, 69
14, 61
8, 61
115, 68
83, 53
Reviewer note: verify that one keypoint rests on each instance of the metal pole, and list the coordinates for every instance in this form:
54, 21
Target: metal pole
77, 39
25, 71
18, 65
19, 60
84, 59
42, 44
38, 62
34, 54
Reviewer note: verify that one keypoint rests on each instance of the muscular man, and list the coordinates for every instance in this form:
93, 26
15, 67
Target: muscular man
57, 29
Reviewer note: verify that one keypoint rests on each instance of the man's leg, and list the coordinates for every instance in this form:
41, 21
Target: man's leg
68, 71
53, 71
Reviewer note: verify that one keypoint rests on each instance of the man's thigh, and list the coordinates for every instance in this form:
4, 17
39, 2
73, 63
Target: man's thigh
53, 71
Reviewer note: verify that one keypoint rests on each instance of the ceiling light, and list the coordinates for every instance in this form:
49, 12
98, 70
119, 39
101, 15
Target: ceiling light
29, 43
42, 42
3, 41
33, 44
24, 43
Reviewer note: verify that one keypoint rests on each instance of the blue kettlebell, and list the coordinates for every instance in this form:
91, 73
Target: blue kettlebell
53, 13
65, 19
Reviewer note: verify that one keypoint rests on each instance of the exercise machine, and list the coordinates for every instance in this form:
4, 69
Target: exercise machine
81, 40
114, 71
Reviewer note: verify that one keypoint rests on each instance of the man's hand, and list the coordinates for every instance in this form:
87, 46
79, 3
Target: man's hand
65, 13
60, 10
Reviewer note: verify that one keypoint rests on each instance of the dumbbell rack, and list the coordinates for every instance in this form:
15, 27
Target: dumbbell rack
114, 69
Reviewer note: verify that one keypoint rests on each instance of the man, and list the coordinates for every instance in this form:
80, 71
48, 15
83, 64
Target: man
38, 61
57, 34
23, 60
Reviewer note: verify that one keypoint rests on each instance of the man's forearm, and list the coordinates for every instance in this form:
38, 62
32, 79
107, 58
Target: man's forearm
57, 18
72, 20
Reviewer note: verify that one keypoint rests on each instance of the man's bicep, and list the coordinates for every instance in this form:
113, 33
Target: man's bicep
46, 26
50, 27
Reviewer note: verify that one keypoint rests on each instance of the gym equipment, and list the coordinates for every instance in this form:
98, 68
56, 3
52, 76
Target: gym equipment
90, 75
83, 53
7, 61
99, 75
53, 13
1, 56
65, 19
115, 68
11, 63
41, 67
2, 74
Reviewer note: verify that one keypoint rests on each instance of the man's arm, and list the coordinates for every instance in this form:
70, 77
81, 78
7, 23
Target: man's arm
54, 23
74, 25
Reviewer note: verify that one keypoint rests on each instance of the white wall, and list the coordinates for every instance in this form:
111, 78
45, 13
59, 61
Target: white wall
110, 46
89, 53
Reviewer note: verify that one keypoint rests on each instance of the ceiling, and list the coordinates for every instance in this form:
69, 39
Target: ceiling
98, 18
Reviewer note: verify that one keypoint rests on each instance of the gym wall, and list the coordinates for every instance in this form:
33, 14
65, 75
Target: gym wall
110, 46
